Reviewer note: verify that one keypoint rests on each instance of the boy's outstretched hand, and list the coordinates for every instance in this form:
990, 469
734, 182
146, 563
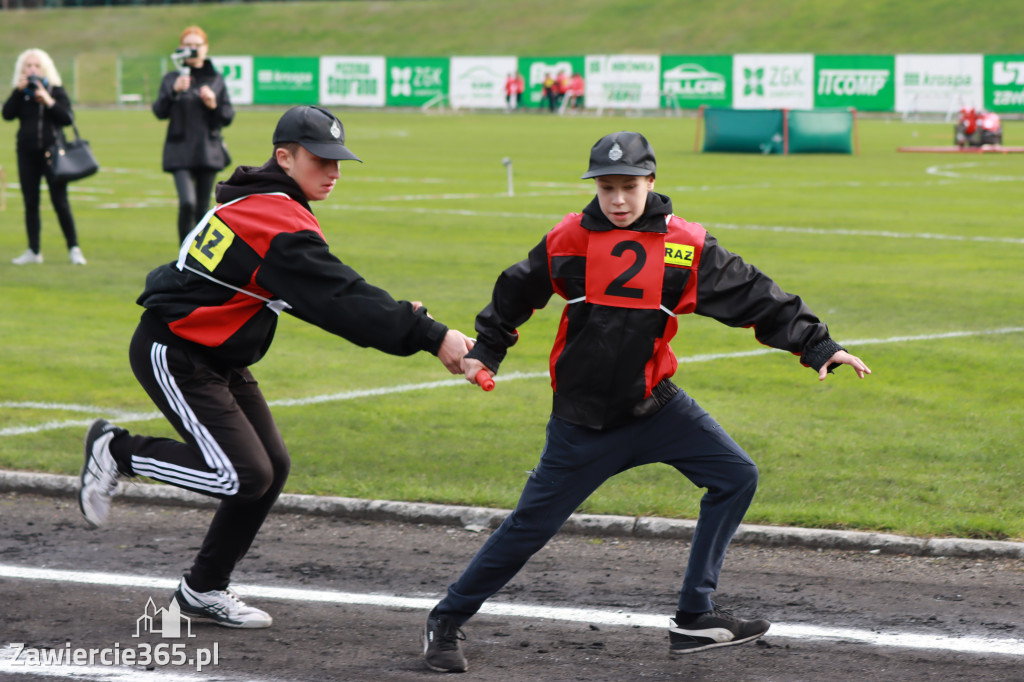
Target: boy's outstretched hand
841, 357
453, 348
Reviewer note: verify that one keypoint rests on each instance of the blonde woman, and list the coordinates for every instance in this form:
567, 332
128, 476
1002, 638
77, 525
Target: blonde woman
41, 106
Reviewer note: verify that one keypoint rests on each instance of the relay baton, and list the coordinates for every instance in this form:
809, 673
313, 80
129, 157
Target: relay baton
485, 380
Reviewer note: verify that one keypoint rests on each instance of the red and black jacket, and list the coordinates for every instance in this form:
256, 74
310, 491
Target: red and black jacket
262, 252
624, 290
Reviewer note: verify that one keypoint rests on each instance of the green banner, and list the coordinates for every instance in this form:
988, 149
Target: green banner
864, 82
1004, 82
536, 69
689, 82
414, 81
286, 80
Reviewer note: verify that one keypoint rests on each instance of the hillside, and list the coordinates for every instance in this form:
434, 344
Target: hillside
524, 27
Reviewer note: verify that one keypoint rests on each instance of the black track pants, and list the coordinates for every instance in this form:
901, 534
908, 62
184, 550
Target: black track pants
232, 449
32, 168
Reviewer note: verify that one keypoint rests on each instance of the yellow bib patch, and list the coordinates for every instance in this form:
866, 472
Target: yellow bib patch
679, 254
211, 244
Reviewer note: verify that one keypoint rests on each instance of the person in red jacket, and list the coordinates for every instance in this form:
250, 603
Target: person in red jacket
520, 89
576, 91
510, 92
209, 316
628, 269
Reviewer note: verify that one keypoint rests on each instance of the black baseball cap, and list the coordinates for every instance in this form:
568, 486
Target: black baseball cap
316, 129
623, 153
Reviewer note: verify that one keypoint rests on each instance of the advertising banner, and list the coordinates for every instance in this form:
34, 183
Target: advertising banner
352, 81
536, 69
623, 81
414, 81
773, 81
1004, 82
237, 73
479, 82
285, 80
866, 83
938, 83
691, 81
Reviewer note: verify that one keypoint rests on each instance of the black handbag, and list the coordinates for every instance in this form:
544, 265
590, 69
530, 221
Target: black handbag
71, 160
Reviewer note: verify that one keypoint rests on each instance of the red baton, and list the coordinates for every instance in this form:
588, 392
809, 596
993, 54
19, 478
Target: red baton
485, 380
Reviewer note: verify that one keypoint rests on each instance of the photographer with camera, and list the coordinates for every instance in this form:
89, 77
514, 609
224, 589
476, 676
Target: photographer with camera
195, 100
42, 107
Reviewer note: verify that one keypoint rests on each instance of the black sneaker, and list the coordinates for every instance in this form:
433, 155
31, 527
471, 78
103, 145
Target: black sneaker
441, 647
715, 628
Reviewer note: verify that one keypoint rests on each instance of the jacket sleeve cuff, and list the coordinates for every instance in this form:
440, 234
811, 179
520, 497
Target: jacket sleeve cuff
490, 358
434, 336
818, 354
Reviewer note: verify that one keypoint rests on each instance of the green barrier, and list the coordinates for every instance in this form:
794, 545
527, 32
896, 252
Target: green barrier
778, 131
753, 131
827, 131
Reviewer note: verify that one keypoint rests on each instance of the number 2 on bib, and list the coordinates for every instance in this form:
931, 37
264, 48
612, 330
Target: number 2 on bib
625, 269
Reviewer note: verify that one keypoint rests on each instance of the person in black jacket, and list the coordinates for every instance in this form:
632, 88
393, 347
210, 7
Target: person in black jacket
209, 316
42, 107
628, 269
195, 101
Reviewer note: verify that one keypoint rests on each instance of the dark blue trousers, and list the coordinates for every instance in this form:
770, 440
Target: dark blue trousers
577, 460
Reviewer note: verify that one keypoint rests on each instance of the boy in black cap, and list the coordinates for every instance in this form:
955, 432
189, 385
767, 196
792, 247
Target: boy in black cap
627, 268
211, 315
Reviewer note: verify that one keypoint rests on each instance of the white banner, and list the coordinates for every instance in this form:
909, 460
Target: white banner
479, 82
238, 77
623, 81
352, 81
938, 83
773, 81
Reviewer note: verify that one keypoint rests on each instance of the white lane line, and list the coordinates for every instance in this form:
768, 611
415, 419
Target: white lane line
135, 417
896, 639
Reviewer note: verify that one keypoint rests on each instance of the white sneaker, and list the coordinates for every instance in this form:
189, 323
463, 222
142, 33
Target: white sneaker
75, 254
28, 257
221, 606
99, 473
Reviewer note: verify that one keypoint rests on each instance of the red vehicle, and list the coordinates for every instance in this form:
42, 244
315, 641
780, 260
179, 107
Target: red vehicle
976, 128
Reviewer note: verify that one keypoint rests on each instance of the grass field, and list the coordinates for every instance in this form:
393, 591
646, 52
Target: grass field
915, 261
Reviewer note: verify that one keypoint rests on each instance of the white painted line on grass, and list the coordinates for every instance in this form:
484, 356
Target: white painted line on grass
867, 233
133, 417
711, 226
949, 170
553, 217
904, 640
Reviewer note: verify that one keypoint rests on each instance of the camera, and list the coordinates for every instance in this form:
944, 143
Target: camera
33, 80
183, 53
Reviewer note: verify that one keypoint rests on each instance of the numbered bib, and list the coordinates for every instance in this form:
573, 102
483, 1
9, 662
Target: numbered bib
212, 243
626, 269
